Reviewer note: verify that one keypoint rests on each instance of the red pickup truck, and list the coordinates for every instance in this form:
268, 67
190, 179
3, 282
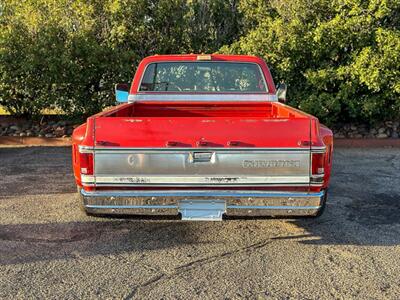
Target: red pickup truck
202, 136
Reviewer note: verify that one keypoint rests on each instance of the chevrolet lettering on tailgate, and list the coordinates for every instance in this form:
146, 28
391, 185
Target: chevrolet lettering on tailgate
271, 164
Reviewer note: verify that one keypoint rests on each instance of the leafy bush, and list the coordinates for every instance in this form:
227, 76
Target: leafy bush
339, 58
68, 54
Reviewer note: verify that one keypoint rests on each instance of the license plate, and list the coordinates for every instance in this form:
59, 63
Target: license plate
202, 210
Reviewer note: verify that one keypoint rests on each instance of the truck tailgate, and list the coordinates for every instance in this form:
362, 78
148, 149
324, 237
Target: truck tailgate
157, 151
156, 132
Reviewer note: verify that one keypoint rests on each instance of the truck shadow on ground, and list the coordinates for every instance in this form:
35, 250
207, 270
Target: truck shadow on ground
26, 243
372, 220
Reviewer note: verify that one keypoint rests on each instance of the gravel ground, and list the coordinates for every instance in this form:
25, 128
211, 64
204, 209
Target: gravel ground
49, 249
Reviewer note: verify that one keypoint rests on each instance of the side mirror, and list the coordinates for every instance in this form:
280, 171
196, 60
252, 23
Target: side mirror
121, 92
281, 92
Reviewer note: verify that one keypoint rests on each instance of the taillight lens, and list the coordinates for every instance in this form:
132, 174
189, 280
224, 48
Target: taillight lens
86, 163
318, 163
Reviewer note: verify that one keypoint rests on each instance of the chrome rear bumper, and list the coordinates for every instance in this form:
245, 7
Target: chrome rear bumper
203, 204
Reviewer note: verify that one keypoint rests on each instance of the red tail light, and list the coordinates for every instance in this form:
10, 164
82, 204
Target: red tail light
86, 163
318, 163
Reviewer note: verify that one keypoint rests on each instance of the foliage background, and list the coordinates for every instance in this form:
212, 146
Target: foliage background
340, 58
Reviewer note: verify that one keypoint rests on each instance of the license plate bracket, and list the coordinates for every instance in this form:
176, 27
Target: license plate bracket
202, 210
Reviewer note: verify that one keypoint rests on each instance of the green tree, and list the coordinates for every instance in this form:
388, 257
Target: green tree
68, 54
340, 58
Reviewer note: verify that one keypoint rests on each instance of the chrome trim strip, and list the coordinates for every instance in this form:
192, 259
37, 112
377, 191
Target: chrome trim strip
198, 185
87, 178
131, 206
316, 148
172, 150
287, 207
318, 175
272, 207
208, 179
202, 97
199, 193
318, 151
85, 149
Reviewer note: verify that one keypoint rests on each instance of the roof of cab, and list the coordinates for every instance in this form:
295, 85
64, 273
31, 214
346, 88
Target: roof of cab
194, 57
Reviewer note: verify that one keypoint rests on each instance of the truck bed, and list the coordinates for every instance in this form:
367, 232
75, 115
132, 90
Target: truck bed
163, 124
206, 109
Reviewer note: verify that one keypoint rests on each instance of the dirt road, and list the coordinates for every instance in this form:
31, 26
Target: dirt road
49, 249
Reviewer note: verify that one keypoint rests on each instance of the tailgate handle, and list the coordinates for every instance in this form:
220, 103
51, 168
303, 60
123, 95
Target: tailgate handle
195, 157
